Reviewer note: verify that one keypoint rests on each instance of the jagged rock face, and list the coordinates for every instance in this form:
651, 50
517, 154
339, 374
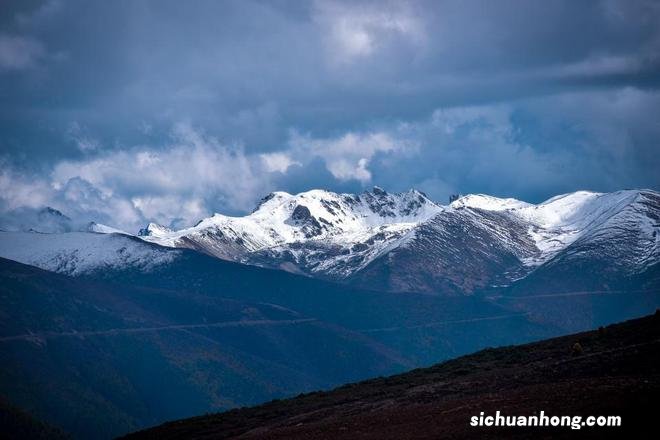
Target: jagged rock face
405, 242
301, 216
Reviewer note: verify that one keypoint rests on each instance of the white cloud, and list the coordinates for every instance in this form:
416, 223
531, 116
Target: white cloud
347, 157
160, 208
17, 190
175, 182
542, 146
82, 139
185, 181
277, 162
357, 30
19, 53
181, 183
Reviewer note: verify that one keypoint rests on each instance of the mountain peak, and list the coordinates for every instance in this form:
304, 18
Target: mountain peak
48, 211
154, 230
275, 195
284, 219
327, 204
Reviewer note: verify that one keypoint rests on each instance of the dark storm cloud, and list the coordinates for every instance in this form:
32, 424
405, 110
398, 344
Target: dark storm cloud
517, 98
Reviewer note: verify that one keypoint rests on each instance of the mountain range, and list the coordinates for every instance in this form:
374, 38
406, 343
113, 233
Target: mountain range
407, 243
108, 330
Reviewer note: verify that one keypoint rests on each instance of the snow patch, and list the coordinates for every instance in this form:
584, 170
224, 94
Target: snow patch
77, 253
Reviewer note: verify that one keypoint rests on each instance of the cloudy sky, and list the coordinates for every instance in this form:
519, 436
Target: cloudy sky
125, 112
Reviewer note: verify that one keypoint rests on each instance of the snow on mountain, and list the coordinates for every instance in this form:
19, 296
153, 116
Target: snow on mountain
284, 218
76, 253
622, 228
322, 221
458, 251
321, 233
154, 230
104, 229
395, 241
482, 240
558, 222
49, 220
488, 203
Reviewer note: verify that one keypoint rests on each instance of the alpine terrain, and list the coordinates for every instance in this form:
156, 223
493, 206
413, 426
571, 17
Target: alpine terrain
105, 332
406, 242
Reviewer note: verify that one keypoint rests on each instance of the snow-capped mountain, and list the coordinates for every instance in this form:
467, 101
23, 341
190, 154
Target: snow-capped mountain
385, 241
77, 253
407, 242
560, 221
483, 242
316, 232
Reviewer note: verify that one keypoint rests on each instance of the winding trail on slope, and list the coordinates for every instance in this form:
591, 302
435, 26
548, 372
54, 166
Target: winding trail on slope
31, 337
577, 293
439, 323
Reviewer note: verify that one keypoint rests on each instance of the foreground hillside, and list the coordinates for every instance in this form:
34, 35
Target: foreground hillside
615, 371
103, 355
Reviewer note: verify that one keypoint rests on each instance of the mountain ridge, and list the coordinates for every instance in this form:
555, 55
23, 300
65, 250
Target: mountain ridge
554, 224
407, 242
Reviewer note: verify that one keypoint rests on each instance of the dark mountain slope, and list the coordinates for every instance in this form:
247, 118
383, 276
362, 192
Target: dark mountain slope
421, 328
582, 302
100, 359
616, 371
456, 252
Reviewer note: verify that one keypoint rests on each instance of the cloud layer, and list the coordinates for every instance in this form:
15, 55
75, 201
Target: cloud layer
132, 111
